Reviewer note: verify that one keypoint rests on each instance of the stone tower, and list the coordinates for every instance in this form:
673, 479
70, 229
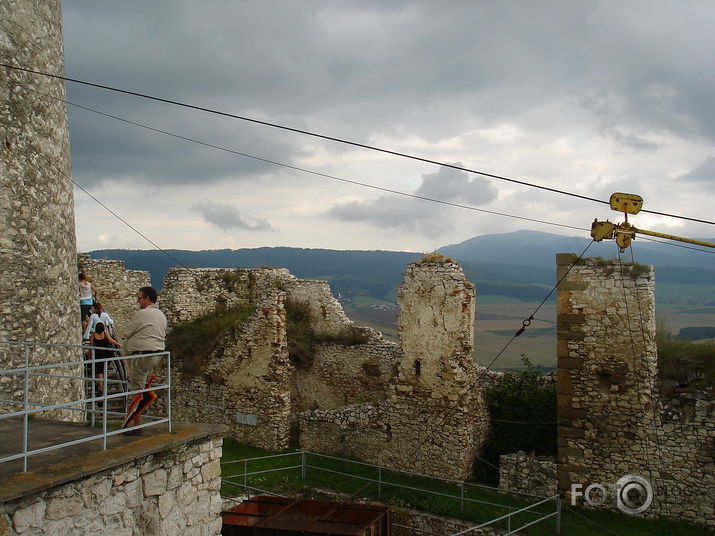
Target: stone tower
38, 290
607, 356
38, 254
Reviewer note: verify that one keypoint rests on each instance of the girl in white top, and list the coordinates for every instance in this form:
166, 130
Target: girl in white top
98, 316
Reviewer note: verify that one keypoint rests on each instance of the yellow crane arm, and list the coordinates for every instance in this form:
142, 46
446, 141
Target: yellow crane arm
673, 237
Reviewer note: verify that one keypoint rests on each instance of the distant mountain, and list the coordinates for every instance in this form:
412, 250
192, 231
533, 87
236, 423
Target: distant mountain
518, 264
533, 248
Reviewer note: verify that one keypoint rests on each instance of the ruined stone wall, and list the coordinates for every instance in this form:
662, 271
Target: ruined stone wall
610, 416
528, 474
190, 293
245, 383
434, 418
344, 375
155, 494
326, 313
116, 287
248, 383
39, 287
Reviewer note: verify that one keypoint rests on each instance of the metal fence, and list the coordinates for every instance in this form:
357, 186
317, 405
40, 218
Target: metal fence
76, 367
380, 479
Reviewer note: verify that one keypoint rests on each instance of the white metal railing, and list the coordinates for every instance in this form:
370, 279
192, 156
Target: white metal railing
72, 372
382, 482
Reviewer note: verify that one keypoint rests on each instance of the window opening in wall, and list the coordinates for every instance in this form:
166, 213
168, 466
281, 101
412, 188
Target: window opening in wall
418, 367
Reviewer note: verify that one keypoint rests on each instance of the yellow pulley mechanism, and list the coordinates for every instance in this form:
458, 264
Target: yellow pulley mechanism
624, 233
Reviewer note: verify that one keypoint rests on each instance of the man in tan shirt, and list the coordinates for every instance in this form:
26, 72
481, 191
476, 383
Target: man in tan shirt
145, 334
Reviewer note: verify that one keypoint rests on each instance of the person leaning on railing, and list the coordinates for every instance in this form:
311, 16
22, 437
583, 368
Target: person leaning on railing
145, 334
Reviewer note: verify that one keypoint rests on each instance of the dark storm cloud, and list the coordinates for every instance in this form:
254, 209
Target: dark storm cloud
361, 69
446, 184
228, 217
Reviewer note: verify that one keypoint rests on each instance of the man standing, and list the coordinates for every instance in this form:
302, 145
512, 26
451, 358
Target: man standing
145, 335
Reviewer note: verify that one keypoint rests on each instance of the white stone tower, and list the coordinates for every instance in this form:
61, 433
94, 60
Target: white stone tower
38, 255
38, 290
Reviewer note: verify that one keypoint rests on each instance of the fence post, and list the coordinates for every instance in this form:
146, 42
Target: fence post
168, 389
303, 467
461, 498
93, 390
26, 407
379, 481
558, 515
245, 478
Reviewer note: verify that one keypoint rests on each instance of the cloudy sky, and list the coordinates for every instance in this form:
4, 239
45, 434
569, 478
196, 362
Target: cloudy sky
592, 97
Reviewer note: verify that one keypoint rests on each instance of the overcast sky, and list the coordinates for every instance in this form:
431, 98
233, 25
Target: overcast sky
592, 97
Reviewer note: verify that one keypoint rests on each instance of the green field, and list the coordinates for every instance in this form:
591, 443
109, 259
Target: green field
499, 317
684, 293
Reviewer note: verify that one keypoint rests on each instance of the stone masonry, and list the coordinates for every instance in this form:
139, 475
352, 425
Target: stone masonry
524, 473
116, 287
249, 382
167, 493
38, 289
612, 421
433, 420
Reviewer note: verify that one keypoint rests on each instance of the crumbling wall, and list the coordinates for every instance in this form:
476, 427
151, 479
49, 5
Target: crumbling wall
245, 383
116, 287
612, 421
326, 313
39, 286
434, 418
345, 375
190, 293
248, 382
525, 473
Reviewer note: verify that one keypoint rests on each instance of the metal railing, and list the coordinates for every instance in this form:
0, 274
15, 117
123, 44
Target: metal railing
382, 482
93, 402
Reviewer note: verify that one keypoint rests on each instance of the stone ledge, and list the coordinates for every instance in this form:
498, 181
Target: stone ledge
75, 468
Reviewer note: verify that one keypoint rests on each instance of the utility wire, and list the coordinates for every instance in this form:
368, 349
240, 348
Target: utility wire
125, 222
304, 170
649, 239
334, 139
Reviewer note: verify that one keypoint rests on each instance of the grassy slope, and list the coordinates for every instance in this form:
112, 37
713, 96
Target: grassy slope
575, 521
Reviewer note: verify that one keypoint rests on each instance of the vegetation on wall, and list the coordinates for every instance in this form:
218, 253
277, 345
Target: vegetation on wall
302, 338
684, 364
523, 417
193, 342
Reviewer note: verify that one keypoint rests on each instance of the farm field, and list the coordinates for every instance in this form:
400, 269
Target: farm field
497, 320
499, 317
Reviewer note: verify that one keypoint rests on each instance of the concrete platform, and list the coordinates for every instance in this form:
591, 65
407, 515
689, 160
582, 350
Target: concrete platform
69, 463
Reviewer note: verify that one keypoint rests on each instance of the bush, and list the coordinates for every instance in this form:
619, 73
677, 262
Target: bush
523, 399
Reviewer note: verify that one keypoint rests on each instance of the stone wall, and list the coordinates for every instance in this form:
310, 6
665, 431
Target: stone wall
170, 492
248, 383
190, 293
612, 421
39, 286
116, 287
434, 419
245, 383
344, 375
524, 473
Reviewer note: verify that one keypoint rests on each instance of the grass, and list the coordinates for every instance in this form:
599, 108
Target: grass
193, 342
574, 521
684, 293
